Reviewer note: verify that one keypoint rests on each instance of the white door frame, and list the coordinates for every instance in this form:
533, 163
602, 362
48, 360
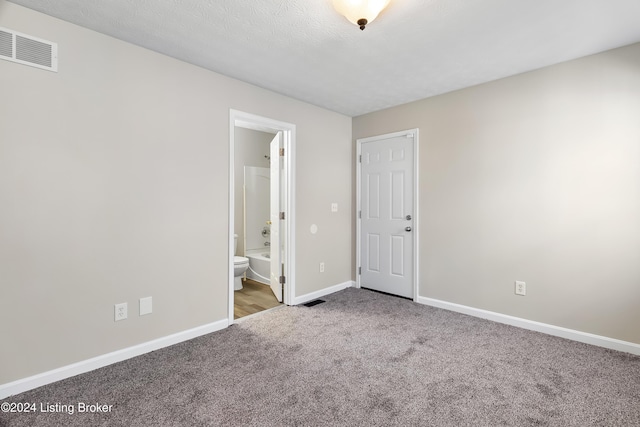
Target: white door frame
416, 216
264, 124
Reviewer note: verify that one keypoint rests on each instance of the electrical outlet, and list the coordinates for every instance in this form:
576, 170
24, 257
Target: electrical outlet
521, 288
146, 306
322, 267
334, 207
120, 311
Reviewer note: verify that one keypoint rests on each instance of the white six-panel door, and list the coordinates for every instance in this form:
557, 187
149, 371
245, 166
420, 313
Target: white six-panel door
387, 214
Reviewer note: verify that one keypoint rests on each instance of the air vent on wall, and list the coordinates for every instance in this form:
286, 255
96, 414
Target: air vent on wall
28, 50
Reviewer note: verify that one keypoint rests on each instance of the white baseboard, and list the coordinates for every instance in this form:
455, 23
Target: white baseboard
326, 291
557, 331
29, 383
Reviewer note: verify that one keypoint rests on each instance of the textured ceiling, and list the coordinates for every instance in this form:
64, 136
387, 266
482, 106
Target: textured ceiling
415, 49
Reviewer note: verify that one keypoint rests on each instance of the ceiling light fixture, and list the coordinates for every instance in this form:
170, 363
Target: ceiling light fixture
360, 12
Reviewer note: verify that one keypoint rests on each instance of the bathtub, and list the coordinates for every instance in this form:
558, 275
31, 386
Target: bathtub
259, 267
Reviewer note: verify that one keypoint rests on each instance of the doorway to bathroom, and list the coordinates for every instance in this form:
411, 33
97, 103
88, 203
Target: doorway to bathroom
261, 216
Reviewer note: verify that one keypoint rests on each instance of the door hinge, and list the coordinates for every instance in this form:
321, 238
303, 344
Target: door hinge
282, 280
359, 214
282, 152
360, 270
360, 159
281, 215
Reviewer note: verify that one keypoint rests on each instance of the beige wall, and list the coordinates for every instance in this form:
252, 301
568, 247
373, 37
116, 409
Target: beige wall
114, 186
534, 178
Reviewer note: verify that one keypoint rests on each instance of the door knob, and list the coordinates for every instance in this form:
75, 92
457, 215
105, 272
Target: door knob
408, 217
407, 229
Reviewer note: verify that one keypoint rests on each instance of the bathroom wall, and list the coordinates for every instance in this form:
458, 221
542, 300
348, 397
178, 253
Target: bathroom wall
250, 148
534, 178
114, 182
257, 208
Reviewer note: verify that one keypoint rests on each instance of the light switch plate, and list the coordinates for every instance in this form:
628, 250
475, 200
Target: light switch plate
146, 306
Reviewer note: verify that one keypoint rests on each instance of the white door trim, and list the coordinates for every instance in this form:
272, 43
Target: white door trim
416, 227
264, 124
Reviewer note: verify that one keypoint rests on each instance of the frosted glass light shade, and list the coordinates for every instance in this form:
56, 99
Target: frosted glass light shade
357, 10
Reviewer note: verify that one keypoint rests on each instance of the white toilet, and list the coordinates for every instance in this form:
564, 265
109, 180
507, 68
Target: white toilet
240, 265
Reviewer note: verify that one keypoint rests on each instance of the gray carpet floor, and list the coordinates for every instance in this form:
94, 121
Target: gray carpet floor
361, 358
